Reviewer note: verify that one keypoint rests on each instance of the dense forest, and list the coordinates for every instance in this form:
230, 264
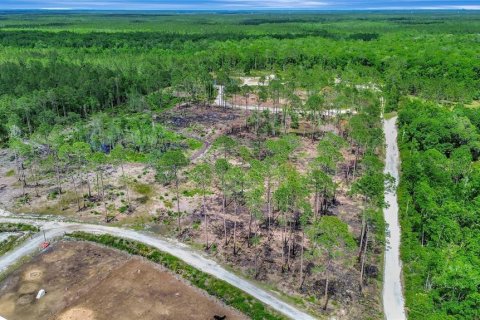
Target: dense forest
440, 197
61, 67
258, 139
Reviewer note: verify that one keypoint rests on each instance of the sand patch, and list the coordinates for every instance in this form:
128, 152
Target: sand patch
28, 288
33, 275
25, 299
77, 314
7, 307
55, 256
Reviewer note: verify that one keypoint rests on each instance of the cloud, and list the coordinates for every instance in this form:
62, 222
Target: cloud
280, 4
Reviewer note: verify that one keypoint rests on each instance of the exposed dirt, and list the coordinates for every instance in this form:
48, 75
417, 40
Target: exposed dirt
88, 282
256, 81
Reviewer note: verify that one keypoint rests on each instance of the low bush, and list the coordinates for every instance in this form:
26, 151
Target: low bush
16, 227
143, 189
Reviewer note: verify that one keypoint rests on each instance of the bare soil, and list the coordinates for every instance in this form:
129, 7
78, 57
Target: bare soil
84, 281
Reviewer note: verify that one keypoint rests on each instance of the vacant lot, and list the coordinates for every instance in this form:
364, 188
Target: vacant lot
87, 282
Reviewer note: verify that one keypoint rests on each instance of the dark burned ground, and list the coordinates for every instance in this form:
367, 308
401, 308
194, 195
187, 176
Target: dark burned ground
87, 282
185, 116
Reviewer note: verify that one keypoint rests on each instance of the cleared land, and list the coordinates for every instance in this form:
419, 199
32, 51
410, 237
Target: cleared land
88, 282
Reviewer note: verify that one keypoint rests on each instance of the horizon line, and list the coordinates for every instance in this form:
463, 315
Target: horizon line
242, 10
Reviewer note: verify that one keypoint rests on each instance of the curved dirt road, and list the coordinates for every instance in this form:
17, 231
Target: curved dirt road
393, 301
57, 229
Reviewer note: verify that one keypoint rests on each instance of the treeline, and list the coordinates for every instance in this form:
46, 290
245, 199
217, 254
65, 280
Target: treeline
37, 93
402, 70
440, 200
55, 92
143, 40
35, 25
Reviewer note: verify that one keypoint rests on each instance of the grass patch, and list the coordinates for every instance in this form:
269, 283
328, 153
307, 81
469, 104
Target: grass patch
194, 144
389, 115
168, 204
60, 205
195, 192
10, 173
220, 289
17, 227
143, 189
6, 272
54, 209
67, 199
14, 240
11, 242
474, 105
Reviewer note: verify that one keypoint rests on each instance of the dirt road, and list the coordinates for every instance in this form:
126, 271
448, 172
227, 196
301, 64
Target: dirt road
393, 301
55, 229
221, 102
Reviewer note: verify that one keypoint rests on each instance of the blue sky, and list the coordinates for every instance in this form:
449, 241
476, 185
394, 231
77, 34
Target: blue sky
237, 4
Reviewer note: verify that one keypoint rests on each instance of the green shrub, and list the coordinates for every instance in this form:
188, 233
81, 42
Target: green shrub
15, 227
143, 189
194, 144
10, 173
168, 204
194, 192
196, 225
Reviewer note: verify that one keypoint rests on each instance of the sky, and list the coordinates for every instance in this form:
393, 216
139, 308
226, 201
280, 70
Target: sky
239, 4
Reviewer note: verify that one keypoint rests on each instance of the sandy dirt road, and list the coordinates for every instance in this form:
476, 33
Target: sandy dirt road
393, 301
